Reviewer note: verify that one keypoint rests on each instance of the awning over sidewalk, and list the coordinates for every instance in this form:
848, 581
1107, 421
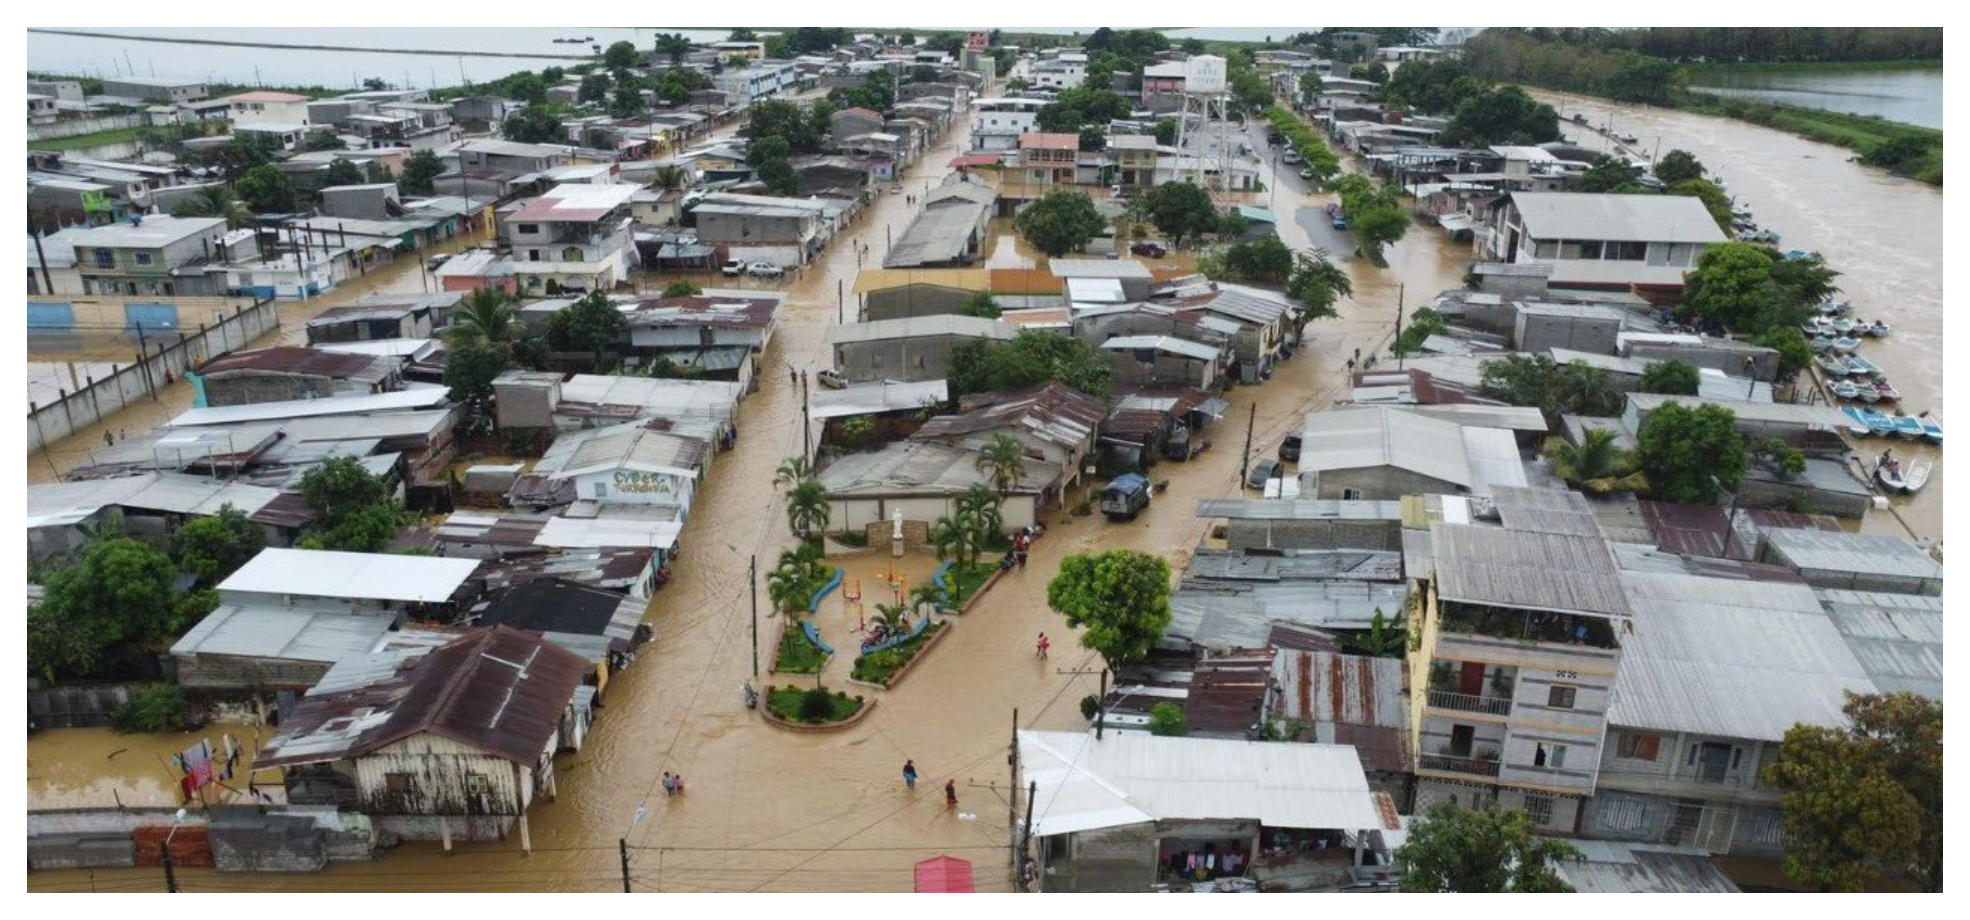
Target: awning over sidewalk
944, 875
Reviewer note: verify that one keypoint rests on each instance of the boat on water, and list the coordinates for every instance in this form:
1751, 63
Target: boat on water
1761, 236
1867, 392
1889, 474
1859, 365
1843, 325
1908, 426
1845, 389
1886, 391
1846, 344
1818, 325
1878, 328
1821, 343
1877, 422
1859, 428
1833, 365
1835, 308
1932, 430
1801, 255
1917, 474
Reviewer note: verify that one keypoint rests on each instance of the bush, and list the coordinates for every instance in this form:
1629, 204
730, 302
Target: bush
160, 707
1089, 706
816, 705
1167, 719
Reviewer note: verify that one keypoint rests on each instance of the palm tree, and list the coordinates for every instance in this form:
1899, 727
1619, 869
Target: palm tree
795, 578
1586, 390
674, 46
895, 618
978, 509
954, 540
1597, 464
926, 595
669, 177
485, 317
792, 471
1003, 461
215, 200
807, 508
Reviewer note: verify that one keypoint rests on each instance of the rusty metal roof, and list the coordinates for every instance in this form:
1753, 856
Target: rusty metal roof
1346, 699
309, 362
1226, 696
1691, 530
1052, 411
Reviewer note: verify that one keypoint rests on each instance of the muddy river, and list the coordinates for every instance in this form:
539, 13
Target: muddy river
768, 810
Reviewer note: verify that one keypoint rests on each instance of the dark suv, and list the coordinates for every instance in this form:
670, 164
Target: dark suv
1289, 449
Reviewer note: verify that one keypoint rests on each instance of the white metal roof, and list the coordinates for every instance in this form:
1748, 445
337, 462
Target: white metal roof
395, 348
1645, 218
1729, 657
1349, 439
1098, 268
879, 396
611, 531
370, 576
917, 326
1095, 290
1168, 343
52, 504
413, 398
1134, 777
288, 633
661, 397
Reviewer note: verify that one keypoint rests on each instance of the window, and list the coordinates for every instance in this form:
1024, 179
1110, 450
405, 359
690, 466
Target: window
1461, 737
1542, 250
1625, 251
1353, 495
477, 783
571, 254
601, 490
1539, 808
142, 258
533, 255
528, 228
1638, 747
397, 783
1560, 696
105, 258
1580, 249
1551, 756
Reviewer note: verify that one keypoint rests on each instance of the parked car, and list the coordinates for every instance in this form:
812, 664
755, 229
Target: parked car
436, 262
765, 270
1340, 221
733, 267
1306, 172
1289, 449
1147, 248
1291, 155
1266, 468
830, 378
1124, 497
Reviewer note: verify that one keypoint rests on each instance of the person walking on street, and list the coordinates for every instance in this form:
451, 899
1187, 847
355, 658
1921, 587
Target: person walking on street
109, 440
670, 783
1040, 647
910, 774
1357, 354
793, 376
950, 793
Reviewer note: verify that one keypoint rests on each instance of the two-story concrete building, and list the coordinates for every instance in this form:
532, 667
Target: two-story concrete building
160, 255
1048, 159
1610, 242
577, 236
914, 349
998, 122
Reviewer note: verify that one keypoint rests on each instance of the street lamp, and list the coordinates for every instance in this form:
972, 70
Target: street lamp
170, 876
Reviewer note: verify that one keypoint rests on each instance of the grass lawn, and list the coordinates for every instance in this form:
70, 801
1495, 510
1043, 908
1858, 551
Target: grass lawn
797, 655
877, 668
785, 703
80, 141
963, 581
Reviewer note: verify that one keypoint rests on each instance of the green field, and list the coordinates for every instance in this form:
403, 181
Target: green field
84, 141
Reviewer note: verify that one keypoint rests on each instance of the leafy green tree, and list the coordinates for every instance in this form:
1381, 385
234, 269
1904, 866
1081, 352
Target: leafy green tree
1081, 106
1608, 174
1120, 598
1376, 72
1597, 464
1166, 719
1795, 354
1780, 457
783, 119
122, 591
1192, 46
211, 548
770, 156
215, 201
1433, 87
1713, 198
594, 88
352, 509
674, 46
983, 306
955, 540
592, 324
421, 170
266, 190
1029, 358
1583, 389
1378, 227
342, 172
1311, 86
156, 708
1180, 210
323, 141
470, 371
1422, 324
1318, 284
807, 508
1678, 166
1165, 131
1060, 223
621, 55
1384, 638
1506, 115
977, 509
1266, 260
742, 35
681, 288
1864, 801
1493, 850
1093, 139
486, 316
1688, 452
1521, 380
527, 87
530, 352
627, 102
1003, 461
535, 124
1731, 285
1677, 378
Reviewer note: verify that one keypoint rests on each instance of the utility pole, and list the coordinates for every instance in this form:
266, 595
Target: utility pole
623, 844
806, 420
170, 876
1245, 462
752, 579
1026, 834
1012, 800
47, 281
1400, 289
841, 303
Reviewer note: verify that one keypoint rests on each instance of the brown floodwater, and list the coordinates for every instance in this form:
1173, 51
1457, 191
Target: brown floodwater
1884, 235
768, 810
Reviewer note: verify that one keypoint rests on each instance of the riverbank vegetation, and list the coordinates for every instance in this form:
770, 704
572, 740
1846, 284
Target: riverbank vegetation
1617, 66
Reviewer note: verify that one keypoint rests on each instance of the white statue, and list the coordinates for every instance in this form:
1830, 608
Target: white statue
897, 519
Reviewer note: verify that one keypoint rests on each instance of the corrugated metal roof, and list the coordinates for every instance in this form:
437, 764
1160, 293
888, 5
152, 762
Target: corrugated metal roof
1164, 343
1135, 777
1347, 439
1330, 691
1306, 509
1731, 657
288, 359
1821, 416
1611, 867
1545, 510
1646, 218
1510, 418
1897, 638
327, 573
656, 397
317, 634
1099, 268
576, 203
53, 504
879, 396
919, 326
1526, 569
633, 446
921, 468
709, 309
417, 398
612, 531
1860, 553
963, 279
1052, 411
1690, 529
938, 235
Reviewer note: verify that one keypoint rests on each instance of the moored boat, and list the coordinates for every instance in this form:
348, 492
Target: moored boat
1917, 474
1845, 389
1867, 392
1878, 328
1846, 344
1835, 308
1877, 422
1843, 325
1859, 365
1886, 391
1889, 474
1821, 343
1832, 365
1859, 428
1932, 430
1908, 426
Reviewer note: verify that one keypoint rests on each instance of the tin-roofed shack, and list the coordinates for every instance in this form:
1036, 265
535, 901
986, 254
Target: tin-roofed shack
288, 373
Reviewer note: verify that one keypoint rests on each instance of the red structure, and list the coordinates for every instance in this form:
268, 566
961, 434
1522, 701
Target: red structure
944, 875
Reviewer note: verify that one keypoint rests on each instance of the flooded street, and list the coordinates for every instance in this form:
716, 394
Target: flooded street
1884, 235
770, 810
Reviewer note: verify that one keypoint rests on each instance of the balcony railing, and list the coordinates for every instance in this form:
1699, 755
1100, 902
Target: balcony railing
1464, 702
1468, 765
